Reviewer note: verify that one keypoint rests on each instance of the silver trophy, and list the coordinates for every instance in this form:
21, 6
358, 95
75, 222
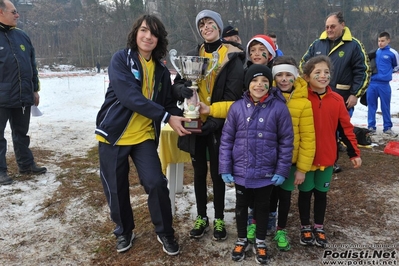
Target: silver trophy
193, 68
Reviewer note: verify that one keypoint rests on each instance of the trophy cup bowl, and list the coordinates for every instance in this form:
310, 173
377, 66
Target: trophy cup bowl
193, 68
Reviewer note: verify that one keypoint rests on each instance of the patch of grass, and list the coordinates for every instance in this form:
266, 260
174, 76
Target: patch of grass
79, 178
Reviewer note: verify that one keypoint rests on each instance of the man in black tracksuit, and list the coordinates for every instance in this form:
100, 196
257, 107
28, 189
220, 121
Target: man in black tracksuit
351, 72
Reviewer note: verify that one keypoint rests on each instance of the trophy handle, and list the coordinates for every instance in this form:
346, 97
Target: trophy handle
215, 59
173, 57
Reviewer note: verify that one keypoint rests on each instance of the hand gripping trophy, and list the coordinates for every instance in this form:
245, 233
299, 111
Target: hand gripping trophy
193, 68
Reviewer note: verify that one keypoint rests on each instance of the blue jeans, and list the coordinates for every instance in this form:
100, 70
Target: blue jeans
19, 123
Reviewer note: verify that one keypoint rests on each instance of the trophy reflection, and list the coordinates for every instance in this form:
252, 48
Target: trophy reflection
193, 68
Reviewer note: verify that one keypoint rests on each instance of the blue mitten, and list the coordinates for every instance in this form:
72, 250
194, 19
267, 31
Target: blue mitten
228, 178
278, 179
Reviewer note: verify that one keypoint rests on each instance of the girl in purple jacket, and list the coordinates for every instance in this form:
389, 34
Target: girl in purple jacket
255, 153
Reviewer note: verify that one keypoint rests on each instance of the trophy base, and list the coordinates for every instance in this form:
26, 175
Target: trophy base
194, 126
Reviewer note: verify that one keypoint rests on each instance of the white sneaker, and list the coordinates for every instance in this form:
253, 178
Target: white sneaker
390, 133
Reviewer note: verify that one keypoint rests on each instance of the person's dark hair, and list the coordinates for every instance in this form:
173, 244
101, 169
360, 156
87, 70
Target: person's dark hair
384, 34
253, 43
309, 66
272, 35
338, 15
157, 29
284, 59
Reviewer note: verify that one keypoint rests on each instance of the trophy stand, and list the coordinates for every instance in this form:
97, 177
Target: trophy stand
191, 110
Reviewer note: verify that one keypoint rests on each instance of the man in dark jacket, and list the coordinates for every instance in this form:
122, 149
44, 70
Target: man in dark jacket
351, 72
19, 86
230, 36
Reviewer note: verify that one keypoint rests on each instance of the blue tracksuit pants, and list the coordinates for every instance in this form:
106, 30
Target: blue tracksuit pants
114, 172
380, 90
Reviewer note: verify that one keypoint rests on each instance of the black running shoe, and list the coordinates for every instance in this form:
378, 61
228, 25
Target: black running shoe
260, 251
320, 237
307, 237
200, 227
169, 244
219, 230
124, 242
240, 247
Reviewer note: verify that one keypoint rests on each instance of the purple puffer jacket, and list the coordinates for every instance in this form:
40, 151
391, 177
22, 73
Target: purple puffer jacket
257, 141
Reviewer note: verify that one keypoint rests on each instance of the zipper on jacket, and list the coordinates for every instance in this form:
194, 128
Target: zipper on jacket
124, 130
318, 96
19, 69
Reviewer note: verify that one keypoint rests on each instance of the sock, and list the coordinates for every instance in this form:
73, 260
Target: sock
318, 226
259, 241
279, 228
242, 239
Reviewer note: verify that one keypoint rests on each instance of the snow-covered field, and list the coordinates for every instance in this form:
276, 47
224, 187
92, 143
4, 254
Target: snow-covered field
69, 103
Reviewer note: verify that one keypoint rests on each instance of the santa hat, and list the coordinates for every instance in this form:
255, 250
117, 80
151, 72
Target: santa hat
266, 41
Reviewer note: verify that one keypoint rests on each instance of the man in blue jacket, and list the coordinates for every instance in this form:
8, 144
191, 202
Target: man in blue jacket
19, 86
351, 73
387, 62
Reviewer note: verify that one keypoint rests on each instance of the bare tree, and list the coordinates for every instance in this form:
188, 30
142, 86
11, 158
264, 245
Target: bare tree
83, 32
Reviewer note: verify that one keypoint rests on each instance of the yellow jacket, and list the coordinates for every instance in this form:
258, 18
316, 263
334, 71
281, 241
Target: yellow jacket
220, 109
302, 121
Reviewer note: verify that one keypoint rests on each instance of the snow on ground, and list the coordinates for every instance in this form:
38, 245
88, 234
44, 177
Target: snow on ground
69, 102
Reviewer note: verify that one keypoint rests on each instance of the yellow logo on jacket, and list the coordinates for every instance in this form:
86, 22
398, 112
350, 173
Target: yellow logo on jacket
22, 47
341, 53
